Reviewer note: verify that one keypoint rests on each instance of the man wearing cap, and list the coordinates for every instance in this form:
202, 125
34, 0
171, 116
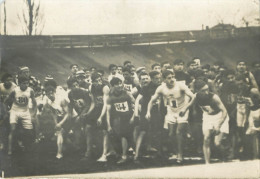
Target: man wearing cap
180, 75
215, 117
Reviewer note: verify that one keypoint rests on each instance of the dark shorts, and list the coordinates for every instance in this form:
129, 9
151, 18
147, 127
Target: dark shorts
122, 127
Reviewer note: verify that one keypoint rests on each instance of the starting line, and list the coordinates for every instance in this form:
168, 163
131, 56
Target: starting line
238, 169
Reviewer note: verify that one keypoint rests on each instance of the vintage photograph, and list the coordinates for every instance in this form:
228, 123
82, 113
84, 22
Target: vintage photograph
129, 89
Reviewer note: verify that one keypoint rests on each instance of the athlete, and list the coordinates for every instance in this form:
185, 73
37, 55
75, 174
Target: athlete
129, 84
82, 101
100, 93
215, 118
5, 90
19, 99
120, 105
143, 98
177, 97
59, 106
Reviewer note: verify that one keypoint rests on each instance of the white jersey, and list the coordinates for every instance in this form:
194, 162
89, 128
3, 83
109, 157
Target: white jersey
58, 104
174, 98
21, 99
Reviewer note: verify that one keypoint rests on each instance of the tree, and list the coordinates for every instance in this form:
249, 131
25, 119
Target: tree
32, 20
4, 18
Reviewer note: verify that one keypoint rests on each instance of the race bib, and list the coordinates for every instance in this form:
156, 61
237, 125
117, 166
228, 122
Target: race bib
22, 101
128, 87
121, 107
207, 109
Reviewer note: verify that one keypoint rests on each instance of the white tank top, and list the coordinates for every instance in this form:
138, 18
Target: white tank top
21, 99
174, 98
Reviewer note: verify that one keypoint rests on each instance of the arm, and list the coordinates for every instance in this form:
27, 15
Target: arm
108, 118
192, 98
10, 99
153, 99
253, 81
137, 102
105, 96
65, 107
222, 109
34, 103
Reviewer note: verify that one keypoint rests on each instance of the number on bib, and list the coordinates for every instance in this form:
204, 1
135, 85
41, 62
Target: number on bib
121, 107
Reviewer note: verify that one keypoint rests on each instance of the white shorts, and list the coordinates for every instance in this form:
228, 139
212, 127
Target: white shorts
210, 122
25, 118
173, 117
241, 115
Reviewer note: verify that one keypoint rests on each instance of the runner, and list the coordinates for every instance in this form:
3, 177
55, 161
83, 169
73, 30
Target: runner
120, 105
19, 99
215, 118
174, 95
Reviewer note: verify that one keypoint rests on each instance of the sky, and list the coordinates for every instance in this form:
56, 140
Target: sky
87, 17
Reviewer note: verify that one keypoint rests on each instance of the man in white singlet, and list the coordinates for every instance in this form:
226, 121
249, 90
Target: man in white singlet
177, 97
20, 110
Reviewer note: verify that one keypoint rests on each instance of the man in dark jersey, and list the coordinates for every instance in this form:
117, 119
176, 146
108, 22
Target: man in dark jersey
120, 105
129, 84
155, 125
82, 101
180, 75
228, 94
100, 92
215, 117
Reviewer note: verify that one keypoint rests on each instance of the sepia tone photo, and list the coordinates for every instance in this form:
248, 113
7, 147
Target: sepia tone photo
129, 89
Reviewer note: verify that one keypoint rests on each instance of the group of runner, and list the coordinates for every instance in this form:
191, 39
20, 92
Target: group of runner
157, 109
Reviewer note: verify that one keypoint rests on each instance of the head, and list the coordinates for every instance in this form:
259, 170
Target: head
112, 69
24, 71
120, 70
230, 76
96, 79
205, 69
101, 72
127, 73
156, 67
93, 69
169, 78
241, 66
144, 78
196, 61
216, 66
156, 77
165, 65
73, 83
178, 65
50, 92
117, 85
191, 66
7, 80
23, 83
74, 68
139, 70
80, 76
202, 88
127, 63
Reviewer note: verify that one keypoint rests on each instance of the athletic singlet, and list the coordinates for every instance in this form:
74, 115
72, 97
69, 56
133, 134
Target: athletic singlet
121, 105
98, 94
209, 107
4, 93
21, 99
175, 97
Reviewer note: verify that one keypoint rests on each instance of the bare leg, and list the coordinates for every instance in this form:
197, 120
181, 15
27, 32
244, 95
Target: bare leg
206, 146
139, 142
59, 144
10, 139
89, 139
